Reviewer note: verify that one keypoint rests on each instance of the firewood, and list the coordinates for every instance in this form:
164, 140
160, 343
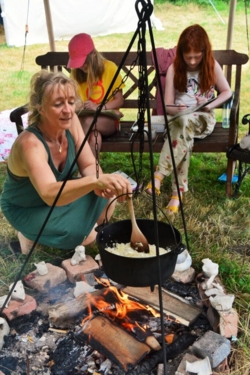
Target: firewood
63, 314
173, 305
114, 342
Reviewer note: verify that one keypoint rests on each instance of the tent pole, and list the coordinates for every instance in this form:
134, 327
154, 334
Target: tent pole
49, 25
231, 24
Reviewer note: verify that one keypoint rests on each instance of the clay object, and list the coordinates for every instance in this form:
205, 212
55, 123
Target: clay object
42, 269
222, 302
2, 300
18, 292
78, 256
202, 367
209, 268
4, 331
184, 262
82, 288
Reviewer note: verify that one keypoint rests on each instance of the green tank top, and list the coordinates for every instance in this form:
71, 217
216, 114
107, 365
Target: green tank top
20, 191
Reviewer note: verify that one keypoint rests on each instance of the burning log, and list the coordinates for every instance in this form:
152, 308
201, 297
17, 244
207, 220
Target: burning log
65, 313
113, 342
173, 305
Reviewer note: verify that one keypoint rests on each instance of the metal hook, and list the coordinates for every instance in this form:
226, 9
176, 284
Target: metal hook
145, 10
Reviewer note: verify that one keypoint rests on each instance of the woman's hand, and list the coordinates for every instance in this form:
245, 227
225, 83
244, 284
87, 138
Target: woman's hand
111, 185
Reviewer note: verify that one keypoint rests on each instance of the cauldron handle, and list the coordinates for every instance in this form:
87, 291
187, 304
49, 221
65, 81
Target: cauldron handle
98, 228
180, 248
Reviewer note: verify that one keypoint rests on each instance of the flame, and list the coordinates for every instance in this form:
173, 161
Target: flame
119, 308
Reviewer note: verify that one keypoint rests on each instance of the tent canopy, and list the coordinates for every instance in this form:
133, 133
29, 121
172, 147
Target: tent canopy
95, 17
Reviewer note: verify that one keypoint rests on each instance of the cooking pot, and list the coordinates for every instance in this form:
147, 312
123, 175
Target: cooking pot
138, 272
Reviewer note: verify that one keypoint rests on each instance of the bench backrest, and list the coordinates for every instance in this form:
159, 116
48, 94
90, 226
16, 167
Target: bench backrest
230, 61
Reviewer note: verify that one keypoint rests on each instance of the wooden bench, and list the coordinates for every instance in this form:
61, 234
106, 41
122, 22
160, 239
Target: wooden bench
219, 141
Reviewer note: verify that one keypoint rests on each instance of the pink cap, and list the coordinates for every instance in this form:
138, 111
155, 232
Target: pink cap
79, 48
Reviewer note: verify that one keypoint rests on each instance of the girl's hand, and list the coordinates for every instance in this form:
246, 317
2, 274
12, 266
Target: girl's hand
200, 99
89, 105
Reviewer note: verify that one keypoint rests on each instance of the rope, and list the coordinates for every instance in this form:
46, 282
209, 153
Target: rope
25, 36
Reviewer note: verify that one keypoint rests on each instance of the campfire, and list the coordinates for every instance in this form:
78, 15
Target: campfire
107, 329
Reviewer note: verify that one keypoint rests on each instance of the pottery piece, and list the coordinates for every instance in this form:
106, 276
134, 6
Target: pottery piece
79, 255
82, 288
209, 268
222, 302
2, 300
183, 262
4, 331
42, 268
18, 292
202, 367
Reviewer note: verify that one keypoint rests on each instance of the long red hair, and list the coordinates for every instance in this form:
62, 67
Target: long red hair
194, 38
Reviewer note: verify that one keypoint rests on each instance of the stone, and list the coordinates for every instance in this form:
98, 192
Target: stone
213, 346
43, 283
19, 308
75, 272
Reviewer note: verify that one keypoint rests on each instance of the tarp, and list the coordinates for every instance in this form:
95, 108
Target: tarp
95, 17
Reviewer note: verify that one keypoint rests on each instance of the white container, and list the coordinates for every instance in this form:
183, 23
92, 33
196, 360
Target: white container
158, 123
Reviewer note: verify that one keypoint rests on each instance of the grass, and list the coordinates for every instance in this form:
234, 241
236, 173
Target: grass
214, 226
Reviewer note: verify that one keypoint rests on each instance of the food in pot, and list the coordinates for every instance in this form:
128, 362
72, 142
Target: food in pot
125, 250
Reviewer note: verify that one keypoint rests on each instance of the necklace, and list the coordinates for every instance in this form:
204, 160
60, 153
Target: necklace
52, 140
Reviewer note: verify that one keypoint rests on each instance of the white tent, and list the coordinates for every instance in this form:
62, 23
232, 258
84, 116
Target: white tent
95, 17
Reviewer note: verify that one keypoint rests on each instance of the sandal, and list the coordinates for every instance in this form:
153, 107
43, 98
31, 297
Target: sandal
173, 208
157, 189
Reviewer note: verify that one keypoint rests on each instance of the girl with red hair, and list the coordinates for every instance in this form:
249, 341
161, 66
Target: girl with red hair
190, 81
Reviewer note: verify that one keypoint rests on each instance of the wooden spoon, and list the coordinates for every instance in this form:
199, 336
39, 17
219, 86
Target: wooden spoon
138, 241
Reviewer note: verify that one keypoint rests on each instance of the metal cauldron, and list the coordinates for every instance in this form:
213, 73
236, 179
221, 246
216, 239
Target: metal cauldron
139, 272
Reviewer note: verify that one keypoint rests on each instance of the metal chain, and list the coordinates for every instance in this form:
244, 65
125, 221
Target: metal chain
142, 95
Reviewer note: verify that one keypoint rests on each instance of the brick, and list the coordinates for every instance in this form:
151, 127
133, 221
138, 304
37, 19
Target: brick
212, 345
222, 369
18, 308
75, 273
56, 275
228, 325
213, 318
